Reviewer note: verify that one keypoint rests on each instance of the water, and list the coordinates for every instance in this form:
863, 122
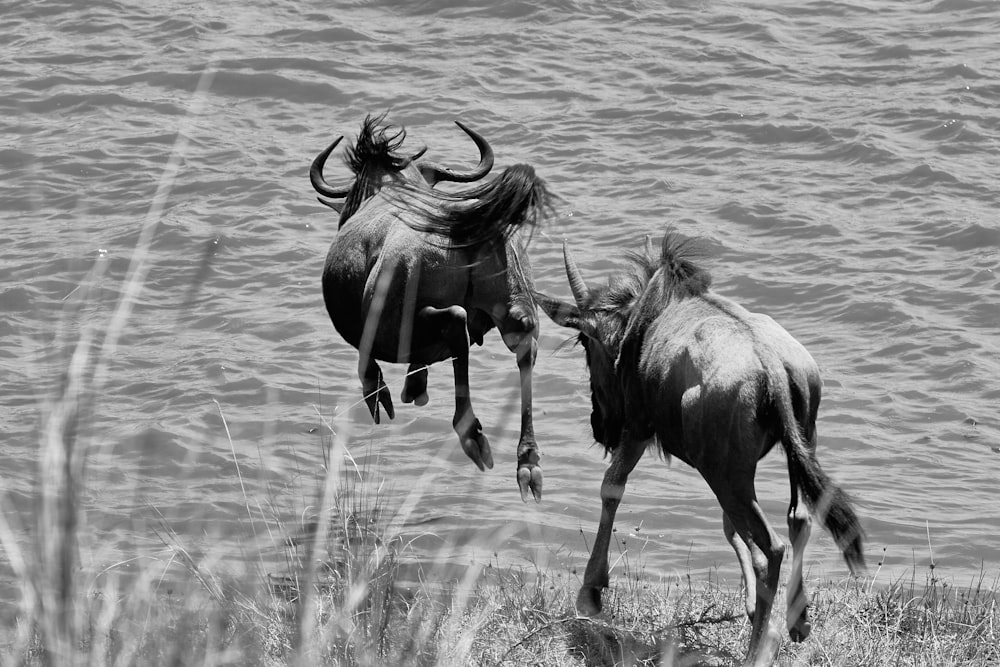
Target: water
840, 159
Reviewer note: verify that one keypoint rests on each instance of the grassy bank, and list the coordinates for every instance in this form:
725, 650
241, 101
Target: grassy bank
341, 602
357, 617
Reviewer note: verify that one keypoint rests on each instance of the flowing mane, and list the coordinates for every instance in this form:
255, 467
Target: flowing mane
371, 157
485, 214
375, 148
681, 276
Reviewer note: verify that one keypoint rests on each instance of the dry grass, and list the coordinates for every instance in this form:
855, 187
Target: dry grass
340, 602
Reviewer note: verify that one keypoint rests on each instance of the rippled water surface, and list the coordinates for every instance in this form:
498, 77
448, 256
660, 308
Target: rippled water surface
839, 158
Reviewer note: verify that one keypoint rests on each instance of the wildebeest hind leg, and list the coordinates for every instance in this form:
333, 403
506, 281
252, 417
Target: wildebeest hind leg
520, 339
745, 557
415, 385
373, 388
740, 504
449, 324
799, 527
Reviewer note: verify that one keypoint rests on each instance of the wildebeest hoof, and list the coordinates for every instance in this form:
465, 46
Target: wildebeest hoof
800, 630
529, 478
381, 396
477, 446
416, 399
588, 601
764, 651
415, 387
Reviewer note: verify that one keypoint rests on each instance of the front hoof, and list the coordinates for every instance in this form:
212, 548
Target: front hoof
380, 397
477, 446
529, 479
588, 601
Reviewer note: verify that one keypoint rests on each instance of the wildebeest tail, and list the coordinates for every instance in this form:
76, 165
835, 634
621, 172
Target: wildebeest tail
827, 501
490, 212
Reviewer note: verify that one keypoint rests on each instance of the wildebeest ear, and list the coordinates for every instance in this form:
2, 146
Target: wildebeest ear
567, 314
562, 313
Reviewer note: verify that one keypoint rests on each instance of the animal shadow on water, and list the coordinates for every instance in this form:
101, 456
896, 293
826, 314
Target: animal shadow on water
416, 275
677, 368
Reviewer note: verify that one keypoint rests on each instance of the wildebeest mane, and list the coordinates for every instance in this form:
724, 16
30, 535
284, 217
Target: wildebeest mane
375, 148
370, 157
486, 213
681, 277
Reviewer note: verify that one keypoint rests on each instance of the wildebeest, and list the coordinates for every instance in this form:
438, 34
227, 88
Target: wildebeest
675, 364
415, 273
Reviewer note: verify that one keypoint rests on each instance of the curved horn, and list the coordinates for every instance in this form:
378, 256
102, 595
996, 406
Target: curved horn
576, 283
434, 174
413, 158
319, 183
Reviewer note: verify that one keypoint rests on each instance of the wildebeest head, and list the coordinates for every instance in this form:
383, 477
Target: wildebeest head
600, 316
375, 161
612, 320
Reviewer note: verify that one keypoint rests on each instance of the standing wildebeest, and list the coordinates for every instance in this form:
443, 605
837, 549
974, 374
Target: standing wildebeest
415, 273
717, 386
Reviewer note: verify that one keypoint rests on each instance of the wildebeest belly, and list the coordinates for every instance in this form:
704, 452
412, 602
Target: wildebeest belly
343, 288
402, 298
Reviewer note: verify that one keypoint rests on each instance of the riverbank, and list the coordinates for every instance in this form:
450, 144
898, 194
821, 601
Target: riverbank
342, 602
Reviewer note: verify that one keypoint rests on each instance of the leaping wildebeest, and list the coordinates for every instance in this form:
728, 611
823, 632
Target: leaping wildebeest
673, 364
416, 274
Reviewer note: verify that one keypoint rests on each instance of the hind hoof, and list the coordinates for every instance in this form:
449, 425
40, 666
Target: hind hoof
476, 446
800, 631
588, 601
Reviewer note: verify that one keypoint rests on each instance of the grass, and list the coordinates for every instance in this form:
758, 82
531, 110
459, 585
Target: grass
341, 600
342, 603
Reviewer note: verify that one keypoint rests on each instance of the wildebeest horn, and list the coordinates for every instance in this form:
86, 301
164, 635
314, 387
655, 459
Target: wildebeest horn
576, 283
419, 154
434, 174
319, 183
416, 156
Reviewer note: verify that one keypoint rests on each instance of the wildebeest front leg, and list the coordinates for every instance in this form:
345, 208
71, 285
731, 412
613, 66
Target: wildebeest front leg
373, 388
449, 325
595, 578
